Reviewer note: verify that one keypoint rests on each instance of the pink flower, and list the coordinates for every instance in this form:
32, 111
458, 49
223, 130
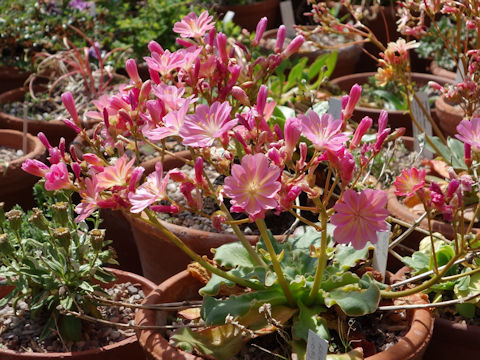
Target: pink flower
35, 167
57, 177
116, 175
359, 216
324, 133
172, 123
409, 182
152, 190
253, 186
469, 132
191, 26
90, 197
293, 130
207, 124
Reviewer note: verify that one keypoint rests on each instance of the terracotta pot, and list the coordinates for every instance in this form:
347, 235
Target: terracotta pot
15, 184
442, 72
184, 287
128, 348
248, 16
449, 115
11, 78
347, 56
396, 118
453, 340
53, 129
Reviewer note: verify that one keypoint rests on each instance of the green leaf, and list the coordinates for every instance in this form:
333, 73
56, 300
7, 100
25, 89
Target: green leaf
331, 282
67, 302
466, 310
86, 286
355, 354
104, 276
295, 74
232, 255
331, 63
355, 300
219, 342
213, 285
320, 107
215, 310
348, 257
71, 328
317, 65
309, 319
395, 102
418, 261
283, 112
453, 154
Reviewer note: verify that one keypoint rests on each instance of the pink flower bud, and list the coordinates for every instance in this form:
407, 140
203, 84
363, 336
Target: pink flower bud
452, 188
41, 136
303, 155
382, 121
292, 132
55, 155
177, 175
155, 76
169, 209
69, 103
261, 27
199, 170
281, 34
262, 99
471, 25
241, 96
61, 146
293, 47
155, 47
132, 71
135, 177
92, 159
344, 101
183, 42
234, 74
211, 37
72, 125
218, 219
436, 86
73, 153
380, 139
361, 130
145, 91
35, 167
274, 156
222, 47
355, 93
77, 169
468, 154
278, 131
347, 167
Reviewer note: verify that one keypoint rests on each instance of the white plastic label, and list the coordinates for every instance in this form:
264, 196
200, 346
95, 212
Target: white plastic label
335, 107
380, 253
460, 75
422, 119
287, 17
229, 15
317, 347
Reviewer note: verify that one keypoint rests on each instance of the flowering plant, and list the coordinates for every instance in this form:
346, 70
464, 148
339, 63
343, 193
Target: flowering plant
209, 95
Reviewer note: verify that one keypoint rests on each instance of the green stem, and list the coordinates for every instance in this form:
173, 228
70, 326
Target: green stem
262, 227
195, 257
322, 260
436, 278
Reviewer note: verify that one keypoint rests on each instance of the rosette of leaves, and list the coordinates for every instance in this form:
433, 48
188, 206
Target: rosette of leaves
233, 320
52, 263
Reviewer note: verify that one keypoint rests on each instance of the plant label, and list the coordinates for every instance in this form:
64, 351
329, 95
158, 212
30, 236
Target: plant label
380, 253
229, 15
335, 107
317, 347
460, 74
287, 17
422, 119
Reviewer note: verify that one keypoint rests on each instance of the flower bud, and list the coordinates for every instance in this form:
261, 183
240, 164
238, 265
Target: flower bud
218, 218
35, 167
69, 103
63, 236
292, 132
155, 47
262, 99
96, 238
132, 71
241, 96
261, 27
60, 213
38, 219
281, 34
199, 171
14, 217
5, 247
222, 47
41, 136
361, 130
293, 47
354, 97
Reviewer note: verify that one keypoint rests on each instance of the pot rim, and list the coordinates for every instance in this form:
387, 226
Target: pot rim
35, 147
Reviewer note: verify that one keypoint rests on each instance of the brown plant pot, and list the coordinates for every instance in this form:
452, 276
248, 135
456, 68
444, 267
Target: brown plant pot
449, 116
183, 286
53, 129
437, 70
11, 78
396, 118
128, 348
15, 184
248, 16
347, 56
451, 340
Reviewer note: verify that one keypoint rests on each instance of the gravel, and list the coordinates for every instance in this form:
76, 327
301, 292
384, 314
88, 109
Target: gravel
8, 154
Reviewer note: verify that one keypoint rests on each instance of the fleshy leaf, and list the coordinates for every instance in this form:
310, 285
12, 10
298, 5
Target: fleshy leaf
232, 255
355, 354
348, 257
309, 319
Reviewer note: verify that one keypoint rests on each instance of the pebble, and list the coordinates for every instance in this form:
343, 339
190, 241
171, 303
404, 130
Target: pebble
8, 154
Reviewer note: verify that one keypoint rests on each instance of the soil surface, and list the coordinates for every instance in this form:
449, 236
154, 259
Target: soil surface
21, 332
8, 154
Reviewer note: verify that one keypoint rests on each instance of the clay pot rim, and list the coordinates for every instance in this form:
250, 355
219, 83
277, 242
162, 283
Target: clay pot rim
366, 75
437, 70
18, 93
443, 104
263, 3
132, 277
34, 146
422, 322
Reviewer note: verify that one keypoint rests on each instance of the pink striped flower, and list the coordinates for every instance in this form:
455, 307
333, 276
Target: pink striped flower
116, 175
90, 197
469, 133
35, 167
172, 123
324, 133
57, 177
409, 182
253, 186
193, 26
152, 190
207, 124
359, 216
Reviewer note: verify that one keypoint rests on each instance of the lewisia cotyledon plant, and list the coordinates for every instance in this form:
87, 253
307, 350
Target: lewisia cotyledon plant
209, 96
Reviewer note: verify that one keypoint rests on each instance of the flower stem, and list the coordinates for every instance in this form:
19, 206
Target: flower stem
322, 260
195, 257
262, 227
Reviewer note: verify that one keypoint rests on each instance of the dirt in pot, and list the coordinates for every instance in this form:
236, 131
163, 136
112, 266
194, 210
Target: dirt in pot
22, 333
9, 154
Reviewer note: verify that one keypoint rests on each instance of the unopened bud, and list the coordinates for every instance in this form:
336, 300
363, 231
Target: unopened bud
14, 217
5, 247
63, 236
96, 238
60, 213
38, 219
